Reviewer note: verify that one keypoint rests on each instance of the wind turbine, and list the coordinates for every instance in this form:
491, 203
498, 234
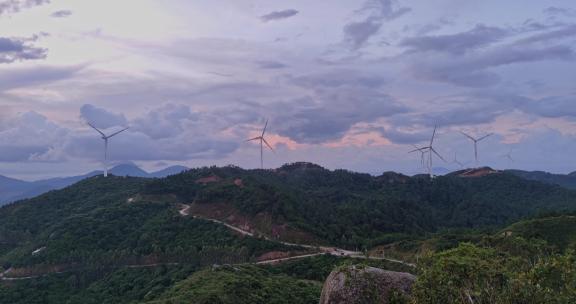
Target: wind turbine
262, 142
106, 138
430, 149
476, 140
456, 161
423, 151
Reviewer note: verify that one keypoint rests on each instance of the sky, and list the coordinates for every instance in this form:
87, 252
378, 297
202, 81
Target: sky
351, 84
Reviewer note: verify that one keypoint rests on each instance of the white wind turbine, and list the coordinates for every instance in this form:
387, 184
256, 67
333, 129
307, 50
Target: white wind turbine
423, 151
430, 149
262, 142
476, 141
106, 138
457, 162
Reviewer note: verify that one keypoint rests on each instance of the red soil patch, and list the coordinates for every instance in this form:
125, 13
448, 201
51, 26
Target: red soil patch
479, 172
238, 182
209, 179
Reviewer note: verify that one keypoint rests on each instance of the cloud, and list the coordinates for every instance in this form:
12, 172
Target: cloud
559, 11
553, 107
459, 43
401, 137
357, 33
384, 9
376, 12
564, 32
27, 135
473, 70
15, 6
167, 121
19, 49
61, 14
339, 78
101, 118
169, 132
39, 75
271, 65
331, 113
279, 15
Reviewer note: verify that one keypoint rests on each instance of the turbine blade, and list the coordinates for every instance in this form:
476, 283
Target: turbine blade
251, 139
93, 127
267, 144
419, 149
114, 134
442, 158
433, 134
264, 130
471, 138
487, 135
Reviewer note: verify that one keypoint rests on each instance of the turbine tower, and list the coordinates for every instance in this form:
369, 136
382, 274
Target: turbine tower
476, 141
262, 142
456, 161
106, 138
430, 149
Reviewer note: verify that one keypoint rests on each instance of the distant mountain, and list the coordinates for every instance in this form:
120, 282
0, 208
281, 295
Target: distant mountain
13, 189
564, 180
168, 171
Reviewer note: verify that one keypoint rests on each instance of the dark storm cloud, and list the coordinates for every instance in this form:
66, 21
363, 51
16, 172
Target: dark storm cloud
41, 75
376, 12
19, 49
279, 15
101, 118
459, 43
14, 6
61, 14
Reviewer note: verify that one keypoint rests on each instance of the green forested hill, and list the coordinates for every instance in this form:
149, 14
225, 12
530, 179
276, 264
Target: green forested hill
352, 209
96, 223
564, 180
122, 240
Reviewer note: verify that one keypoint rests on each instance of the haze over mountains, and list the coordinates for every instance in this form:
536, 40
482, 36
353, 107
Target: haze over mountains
13, 189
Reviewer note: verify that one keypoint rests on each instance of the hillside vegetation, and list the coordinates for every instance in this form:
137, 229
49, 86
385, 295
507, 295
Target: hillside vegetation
358, 210
123, 240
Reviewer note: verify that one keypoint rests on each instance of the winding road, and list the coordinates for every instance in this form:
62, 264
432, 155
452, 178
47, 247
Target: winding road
185, 211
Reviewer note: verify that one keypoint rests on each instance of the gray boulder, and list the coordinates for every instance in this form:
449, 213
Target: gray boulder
366, 285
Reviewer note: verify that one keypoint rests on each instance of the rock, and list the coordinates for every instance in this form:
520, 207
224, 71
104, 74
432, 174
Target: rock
365, 285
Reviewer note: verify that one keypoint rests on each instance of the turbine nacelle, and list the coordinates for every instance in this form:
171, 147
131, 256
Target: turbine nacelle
106, 138
262, 143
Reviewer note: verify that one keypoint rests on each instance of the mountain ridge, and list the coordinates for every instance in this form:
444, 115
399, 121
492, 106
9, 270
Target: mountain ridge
12, 189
